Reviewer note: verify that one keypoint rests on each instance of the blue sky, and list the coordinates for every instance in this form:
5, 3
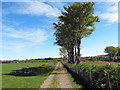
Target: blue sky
27, 30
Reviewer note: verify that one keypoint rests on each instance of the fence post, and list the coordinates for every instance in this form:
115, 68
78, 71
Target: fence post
90, 75
109, 86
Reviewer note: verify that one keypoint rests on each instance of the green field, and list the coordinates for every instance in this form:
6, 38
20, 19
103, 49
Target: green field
100, 63
31, 79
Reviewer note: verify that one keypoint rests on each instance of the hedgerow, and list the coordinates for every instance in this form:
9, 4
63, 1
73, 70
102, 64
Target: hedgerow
101, 76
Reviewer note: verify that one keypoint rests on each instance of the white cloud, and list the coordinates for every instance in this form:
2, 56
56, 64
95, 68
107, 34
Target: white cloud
33, 8
58, 5
61, 0
119, 12
110, 17
110, 13
113, 8
112, 0
16, 47
32, 36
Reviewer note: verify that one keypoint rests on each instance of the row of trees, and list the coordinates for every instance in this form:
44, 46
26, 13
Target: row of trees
113, 53
75, 23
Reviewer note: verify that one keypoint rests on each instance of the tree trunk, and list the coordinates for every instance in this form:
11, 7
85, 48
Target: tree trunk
68, 56
75, 56
78, 48
71, 55
110, 56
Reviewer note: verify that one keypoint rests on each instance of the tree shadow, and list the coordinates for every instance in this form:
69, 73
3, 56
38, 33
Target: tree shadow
59, 73
32, 71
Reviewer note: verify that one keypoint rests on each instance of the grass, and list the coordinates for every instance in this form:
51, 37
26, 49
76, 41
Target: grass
89, 64
12, 81
54, 82
74, 84
97, 64
100, 72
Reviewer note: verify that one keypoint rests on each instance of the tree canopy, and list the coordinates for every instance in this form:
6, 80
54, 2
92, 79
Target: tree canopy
112, 52
77, 22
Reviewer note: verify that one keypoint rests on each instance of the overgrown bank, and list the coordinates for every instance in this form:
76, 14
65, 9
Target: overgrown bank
105, 76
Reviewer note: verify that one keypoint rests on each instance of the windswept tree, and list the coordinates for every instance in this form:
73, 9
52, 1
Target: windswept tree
64, 39
75, 23
112, 52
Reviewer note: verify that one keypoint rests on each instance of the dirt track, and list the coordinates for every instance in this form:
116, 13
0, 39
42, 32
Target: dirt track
63, 80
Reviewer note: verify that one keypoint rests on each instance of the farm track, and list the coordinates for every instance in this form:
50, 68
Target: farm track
63, 81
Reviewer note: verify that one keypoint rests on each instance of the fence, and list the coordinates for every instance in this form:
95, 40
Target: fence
101, 79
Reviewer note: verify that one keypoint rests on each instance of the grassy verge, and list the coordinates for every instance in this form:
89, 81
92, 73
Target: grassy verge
54, 82
12, 81
101, 73
74, 84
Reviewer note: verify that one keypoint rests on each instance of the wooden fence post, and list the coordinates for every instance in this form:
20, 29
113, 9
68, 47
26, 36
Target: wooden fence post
108, 83
90, 75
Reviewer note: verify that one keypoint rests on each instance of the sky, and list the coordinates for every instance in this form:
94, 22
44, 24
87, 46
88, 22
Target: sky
27, 29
